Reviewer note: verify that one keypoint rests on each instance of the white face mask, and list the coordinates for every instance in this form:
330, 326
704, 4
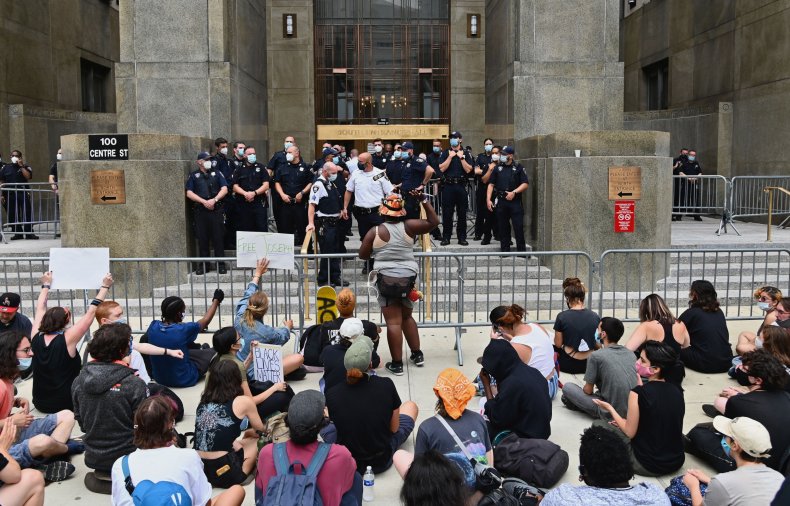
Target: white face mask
495, 157
377, 149
59, 156
14, 159
289, 157
207, 165
224, 151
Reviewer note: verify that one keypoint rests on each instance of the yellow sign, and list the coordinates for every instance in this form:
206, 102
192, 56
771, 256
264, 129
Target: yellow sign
397, 132
108, 187
625, 183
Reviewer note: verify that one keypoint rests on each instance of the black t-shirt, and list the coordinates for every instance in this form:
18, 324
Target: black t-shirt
772, 409
19, 323
53, 171
577, 325
658, 443
54, 371
709, 336
362, 414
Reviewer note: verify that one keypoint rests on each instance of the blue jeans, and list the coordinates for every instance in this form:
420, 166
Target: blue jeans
21, 450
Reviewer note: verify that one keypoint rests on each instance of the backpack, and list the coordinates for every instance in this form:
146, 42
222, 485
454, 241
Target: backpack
312, 342
536, 461
291, 488
148, 493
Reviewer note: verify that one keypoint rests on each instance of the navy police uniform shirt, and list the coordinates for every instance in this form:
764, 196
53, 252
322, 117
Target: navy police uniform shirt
206, 185
508, 177
278, 159
482, 161
455, 170
251, 177
221, 163
394, 169
433, 160
11, 173
53, 171
379, 160
413, 173
293, 177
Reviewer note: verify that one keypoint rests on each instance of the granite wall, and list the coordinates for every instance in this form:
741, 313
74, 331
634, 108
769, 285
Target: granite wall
467, 71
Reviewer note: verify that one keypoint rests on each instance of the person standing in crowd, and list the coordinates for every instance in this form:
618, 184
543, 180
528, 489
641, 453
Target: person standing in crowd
394, 166
53, 184
455, 164
505, 186
748, 443
223, 163
379, 158
206, 188
574, 329
277, 161
250, 184
17, 199
353, 161
10, 317
484, 219
416, 174
709, 349
235, 162
433, 162
391, 244
369, 186
610, 369
691, 200
678, 185
326, 203
292, 182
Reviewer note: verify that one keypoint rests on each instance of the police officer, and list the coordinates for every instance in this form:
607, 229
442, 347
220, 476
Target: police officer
277, 160
326, 203
18, 202
292, 183
206, 187
506, 184
394, 166
379, 158
484, 219
678, 185
416, 173
455, 164
250, 184
369, 186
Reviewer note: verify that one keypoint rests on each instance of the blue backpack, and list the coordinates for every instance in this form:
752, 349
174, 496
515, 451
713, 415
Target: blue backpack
291, 488
148, 493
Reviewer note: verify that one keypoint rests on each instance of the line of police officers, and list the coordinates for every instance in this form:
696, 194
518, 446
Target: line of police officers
229, 194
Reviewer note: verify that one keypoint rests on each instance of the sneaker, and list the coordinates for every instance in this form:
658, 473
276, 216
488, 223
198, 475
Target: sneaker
75, 446
395, 368
710, 410
417, 358
57, 470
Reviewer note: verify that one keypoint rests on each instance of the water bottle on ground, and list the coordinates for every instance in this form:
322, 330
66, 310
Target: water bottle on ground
367, 484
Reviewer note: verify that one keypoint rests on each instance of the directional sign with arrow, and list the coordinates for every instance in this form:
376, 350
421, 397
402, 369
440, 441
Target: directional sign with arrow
625, 182
108, 187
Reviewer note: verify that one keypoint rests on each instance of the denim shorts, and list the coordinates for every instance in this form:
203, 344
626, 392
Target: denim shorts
21, 451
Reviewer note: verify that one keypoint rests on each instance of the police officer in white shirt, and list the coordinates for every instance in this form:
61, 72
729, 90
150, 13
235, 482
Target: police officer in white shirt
369, 187
326, 202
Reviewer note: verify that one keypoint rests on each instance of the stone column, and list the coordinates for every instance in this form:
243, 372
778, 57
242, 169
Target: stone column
467, 72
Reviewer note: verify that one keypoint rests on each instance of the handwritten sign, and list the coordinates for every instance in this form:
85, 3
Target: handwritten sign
78, 268
278, 248
267, 362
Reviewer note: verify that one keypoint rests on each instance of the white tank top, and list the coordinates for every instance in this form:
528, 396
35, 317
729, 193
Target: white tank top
542, 357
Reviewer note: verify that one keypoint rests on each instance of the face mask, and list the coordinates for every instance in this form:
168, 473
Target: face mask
288, 144
242, 342
692, 158
25, 363
14, 159
405, 155
785, 324
598, 336
121, 320
289, 157
207, 165
504, 158
335, 160
765, 306
224, 151
725, 446
240, 153
454, 142
59, 156
495, 157
489, 147
377, 149
245, 423
758, 342
437, 149
396, 155
643, 370
332, 177
252, 158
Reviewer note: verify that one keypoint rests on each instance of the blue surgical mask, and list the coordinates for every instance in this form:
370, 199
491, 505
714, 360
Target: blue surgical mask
25, 363
397, 155
245, 423
405, 155
454, 142
692, 158
765, 306
333, 177
437, 149
598, 336
489, 147
335, 160
252, 158
288, 144
240, 152
726, 447
122, 320
242, 342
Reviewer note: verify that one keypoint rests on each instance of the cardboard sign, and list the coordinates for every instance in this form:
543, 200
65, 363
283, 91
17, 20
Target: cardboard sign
267, 362
326, 304
278, 248
625, 182
78, 268
624, 215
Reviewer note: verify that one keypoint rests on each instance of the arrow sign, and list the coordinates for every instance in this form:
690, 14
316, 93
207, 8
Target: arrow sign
106, 198
622, 194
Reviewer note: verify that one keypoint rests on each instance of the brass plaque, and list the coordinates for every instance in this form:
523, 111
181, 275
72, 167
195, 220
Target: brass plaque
390, 132
625, 183
108, 187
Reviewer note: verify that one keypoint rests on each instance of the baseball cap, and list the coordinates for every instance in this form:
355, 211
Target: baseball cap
358, 355
328, 151
203, 155
306, 410
751, 435
9, 302
456, 135
351, 328
508, 150
407, 145
392, 206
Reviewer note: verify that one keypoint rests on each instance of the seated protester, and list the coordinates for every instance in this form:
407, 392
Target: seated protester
606, 469
270, 398
783, 496
709, 348
522, 404
250, 310
110, 311
610, 369
173, 333
39, 439
158, 459
106, 395
773, 339
24, 487
766, 402
530, 340
574, 329
337, 479
346, 302
332, 356
453, 390
224, 414
433, 479
654, 426
367, 412
657, 324
10, 317
747, 442
56, 362
766, 297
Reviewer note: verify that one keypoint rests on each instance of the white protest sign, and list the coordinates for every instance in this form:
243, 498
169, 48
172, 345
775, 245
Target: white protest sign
267, 362
278, 248
78, 268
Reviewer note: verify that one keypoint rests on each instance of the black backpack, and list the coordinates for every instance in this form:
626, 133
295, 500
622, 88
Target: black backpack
536, 461
313, 341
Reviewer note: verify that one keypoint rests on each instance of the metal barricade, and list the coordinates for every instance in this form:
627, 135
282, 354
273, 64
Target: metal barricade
30, 209
747, 198
698, 195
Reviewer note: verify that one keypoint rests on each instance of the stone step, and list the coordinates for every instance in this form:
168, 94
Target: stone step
741, 281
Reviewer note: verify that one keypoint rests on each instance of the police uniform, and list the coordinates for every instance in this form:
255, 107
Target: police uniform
454, 196
379, 160
276, 161
413, 176
226, 167
252, 216
394, 169
328, 202
209, 223
292, 178
484, 219
690, 190
506, 178
18, 203
433, 160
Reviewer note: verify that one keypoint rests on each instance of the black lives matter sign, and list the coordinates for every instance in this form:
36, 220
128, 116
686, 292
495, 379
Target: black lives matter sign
108, 147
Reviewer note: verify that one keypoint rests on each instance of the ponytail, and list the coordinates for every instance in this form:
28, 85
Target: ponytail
257, 306
662, 356
513, 315
353, 376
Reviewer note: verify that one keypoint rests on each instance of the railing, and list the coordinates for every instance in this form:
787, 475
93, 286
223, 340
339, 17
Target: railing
699, 195
747, 198
30, 208
770, 191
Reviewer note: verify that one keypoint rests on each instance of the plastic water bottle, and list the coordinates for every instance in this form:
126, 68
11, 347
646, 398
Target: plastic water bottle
367, 485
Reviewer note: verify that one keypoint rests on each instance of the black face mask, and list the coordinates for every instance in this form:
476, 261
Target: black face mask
785, 324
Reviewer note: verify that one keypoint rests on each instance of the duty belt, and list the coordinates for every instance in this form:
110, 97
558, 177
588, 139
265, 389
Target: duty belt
327, 220
365, 210
502, 193
454, 180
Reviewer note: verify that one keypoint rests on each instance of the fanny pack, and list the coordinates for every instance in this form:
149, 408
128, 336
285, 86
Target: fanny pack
391, 287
